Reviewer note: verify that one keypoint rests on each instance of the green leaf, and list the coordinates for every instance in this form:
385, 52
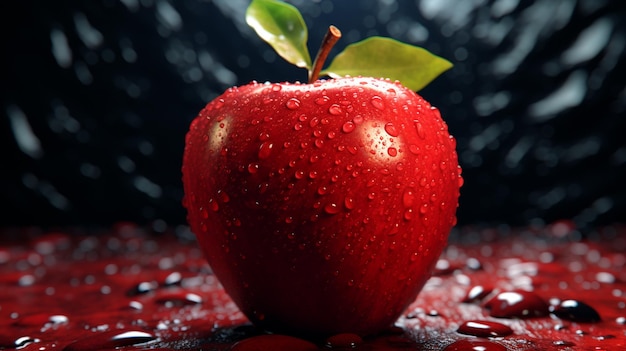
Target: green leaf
381, 57
281, 25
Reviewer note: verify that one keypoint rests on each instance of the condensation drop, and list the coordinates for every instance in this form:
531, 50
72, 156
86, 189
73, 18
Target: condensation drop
332, 208
293, 104
265, 150
348, 127
420, 130
377, 102
322, 100
392, 151
348, 202
335, 109
391, 129
408, 198
253, 168
408, 214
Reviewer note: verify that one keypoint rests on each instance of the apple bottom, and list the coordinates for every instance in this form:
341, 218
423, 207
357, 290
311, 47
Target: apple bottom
315, 297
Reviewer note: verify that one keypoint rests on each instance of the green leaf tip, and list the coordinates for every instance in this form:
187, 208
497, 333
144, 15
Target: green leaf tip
413, 66
281, 25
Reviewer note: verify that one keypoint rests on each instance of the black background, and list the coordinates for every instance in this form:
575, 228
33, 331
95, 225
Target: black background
536, 99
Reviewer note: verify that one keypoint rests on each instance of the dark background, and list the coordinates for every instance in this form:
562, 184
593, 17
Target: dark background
97, 97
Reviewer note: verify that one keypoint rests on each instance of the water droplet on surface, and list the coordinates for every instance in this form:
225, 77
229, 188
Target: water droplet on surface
322, 100
110, 339
293, 104
392, 151
377, 102
265, 150
20, 343
408, 215
322, 190
276, 87
517, 304
420, 130
178, 299
477, 293
335, 110
391, 129
576, 311
407, 198
332, 208
348, 127
348, 202
484, 329
253, 168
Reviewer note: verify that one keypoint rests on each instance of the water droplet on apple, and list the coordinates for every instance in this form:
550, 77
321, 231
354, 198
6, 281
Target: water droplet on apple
348, 127
213, 205
377, 102
348, 202
322, 190
224, 196
322, 100
392, 151
276, 87
408, 198
391, 129
408, 214
335, 110
253, 168
332, 208
423, 181
219, 103
424, 208
420, 129
293, 104
265, 150
319, 143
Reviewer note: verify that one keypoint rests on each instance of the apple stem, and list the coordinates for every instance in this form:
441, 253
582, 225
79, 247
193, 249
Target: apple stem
332, 36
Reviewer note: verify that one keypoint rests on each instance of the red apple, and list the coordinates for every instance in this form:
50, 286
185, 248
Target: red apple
322, 208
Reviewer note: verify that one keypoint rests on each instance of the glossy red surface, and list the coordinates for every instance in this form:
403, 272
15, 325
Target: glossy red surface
132, 289
340, 193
